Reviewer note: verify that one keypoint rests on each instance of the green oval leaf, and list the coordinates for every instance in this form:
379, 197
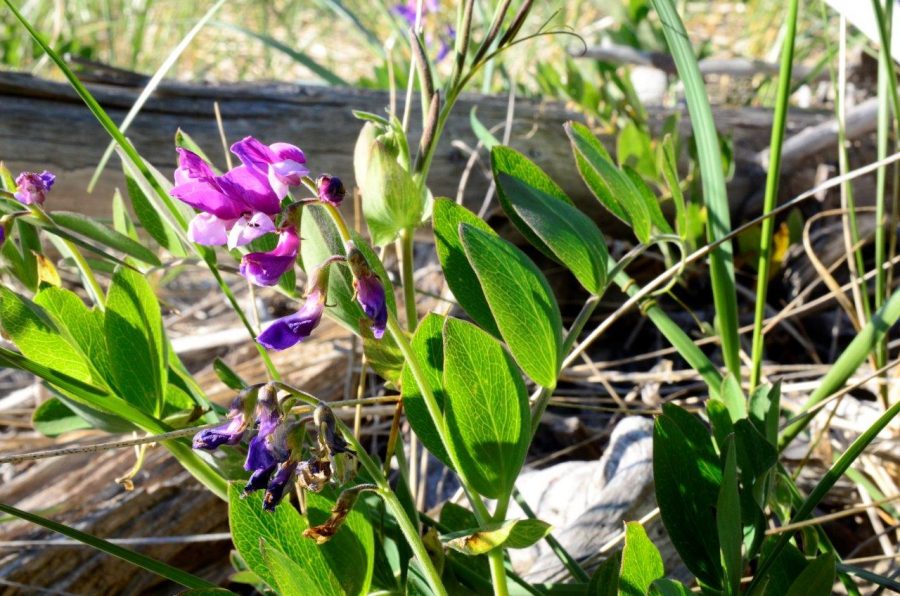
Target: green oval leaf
573, 239
641, 562
514, 533
89, 228
520, 300
486, 409
428, 346
458, 272
135, 338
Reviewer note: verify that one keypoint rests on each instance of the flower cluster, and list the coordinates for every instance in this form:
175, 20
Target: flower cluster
248, 202
31, 189
274, 453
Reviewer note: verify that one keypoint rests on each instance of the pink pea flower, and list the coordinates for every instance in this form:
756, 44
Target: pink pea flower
283, 165
32, 188
265, 268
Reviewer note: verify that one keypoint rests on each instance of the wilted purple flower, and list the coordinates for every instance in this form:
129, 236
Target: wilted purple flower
289, 330
267, 449
229, 433
32, 188
281, 164
369, 290
265, 268
277, 484
236, 207
331, 189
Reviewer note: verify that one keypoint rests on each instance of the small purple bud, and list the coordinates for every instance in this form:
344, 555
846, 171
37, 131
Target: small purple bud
331, 189
277, 484
265, 268
289, 330
229, 433
369, 290
32, 188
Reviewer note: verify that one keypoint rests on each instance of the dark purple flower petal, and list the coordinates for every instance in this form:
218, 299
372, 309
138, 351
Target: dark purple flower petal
258, 479
265, 268
370, 293
259, 454
32, 188
289, 330
229, 433
277, 484
330, 189
2, 235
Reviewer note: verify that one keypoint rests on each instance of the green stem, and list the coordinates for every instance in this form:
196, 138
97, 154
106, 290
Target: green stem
771, 195
407, 238
87, 274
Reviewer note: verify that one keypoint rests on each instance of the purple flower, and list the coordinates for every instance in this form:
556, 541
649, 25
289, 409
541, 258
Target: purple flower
277, 484
331, 189
408, 11
2, 234
265, 268
279, 163
369, 290
236, 207
32, 188
267, 449
229, 433
287, 331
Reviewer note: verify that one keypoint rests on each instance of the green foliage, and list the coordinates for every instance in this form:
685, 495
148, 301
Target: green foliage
514, 533
641, 562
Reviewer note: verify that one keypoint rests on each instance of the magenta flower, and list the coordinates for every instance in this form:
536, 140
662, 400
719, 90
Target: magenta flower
330, 189
32, 188
265, 268
289, 330
279, 163
236, 207
229, 433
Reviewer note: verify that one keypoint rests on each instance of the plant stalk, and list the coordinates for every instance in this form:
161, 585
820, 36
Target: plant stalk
407, 238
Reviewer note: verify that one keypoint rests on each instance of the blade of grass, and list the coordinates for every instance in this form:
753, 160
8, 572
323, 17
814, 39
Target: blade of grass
296, 55
721, 264
771, 194
847, 363
152, 565
151, 86
829, 479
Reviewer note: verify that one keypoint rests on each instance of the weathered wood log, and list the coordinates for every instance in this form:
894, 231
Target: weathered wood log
44, 125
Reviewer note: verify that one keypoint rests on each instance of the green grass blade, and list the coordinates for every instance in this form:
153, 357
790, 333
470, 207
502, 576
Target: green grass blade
721, 264
831, 477
771, 196
298, 56
847, 363
152, 565
151, 87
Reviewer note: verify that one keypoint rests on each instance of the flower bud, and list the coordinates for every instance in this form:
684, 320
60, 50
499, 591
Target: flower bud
331, 189
32, 188
369, 290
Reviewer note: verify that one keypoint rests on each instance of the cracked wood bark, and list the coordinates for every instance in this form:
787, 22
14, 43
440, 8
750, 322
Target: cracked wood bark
44, 125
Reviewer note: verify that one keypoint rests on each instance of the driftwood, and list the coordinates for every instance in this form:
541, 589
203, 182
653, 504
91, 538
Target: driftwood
44, 125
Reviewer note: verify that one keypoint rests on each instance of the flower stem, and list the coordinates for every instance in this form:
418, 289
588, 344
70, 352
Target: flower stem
406, 275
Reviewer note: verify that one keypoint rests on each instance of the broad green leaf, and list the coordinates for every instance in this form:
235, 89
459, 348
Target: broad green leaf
93, 230
428, 346
520, 300
608, 183
341, 566
486, 409
514, 533
391, 200
40, 339
633, 149
456, 518
641, 562
458, 272
321, 241
53, 418
293, 577
605, 581
150, 219
817, 579
651, 202
728, 522
669, 587
782, 572
511, 163
135, 338
687, 476
83, 325
571, 236
755, 454
383, 355
720, 420
152, 565
764, 410
30, 249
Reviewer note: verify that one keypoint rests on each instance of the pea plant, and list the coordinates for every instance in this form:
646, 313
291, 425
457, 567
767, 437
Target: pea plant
474, 388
